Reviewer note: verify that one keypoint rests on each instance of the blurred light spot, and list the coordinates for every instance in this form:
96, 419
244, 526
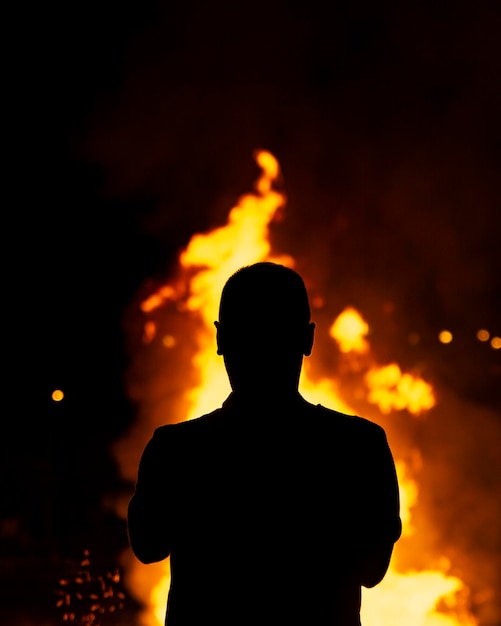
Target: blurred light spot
150, 330
483, 335
496, 343
318, 302
57, 395
445, 336
168, 341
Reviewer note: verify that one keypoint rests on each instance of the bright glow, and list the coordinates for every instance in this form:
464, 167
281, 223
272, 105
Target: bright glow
496, 343
412, 599
445, 336
57, 395
158, 596
483, 335
408, 491
149, 584
349, 330
324, 391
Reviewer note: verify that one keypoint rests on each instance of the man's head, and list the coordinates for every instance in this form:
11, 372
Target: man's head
264, 327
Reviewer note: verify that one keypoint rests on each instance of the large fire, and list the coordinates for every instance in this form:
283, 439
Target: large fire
187, 379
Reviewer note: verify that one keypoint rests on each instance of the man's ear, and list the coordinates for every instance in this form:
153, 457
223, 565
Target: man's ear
309, 338
218, 338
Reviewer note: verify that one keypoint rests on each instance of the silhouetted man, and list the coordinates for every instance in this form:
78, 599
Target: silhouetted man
274, 511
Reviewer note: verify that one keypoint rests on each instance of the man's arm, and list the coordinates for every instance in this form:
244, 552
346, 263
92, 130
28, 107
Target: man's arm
147, 525
383, 525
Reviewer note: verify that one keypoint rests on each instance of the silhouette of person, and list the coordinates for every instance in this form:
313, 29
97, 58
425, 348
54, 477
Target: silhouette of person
273, 510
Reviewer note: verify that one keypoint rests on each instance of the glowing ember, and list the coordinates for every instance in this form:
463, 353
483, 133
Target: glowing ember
413, 598
496, 343
483, 335
57, 395
445, 336
84, 596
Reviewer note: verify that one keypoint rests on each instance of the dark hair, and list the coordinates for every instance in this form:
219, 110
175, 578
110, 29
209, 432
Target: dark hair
265, 291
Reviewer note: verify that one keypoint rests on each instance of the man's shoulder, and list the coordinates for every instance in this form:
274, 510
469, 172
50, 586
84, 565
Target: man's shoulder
349, 422
313, 418
189, 426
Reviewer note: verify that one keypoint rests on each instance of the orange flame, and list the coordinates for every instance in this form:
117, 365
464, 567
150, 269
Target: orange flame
413, 598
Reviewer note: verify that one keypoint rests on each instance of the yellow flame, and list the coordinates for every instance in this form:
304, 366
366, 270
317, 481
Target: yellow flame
150, 585
349, 329
323, 391
412, 597
408, 490
243, 240
390, 389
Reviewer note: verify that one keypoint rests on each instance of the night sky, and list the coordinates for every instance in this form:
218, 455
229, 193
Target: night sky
131, 126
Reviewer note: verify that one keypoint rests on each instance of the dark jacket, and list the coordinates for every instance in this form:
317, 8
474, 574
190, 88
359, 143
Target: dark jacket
270, 515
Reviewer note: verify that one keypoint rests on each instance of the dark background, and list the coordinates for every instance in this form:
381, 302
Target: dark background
130, 126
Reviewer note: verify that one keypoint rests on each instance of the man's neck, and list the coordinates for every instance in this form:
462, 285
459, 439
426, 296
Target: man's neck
266, 397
